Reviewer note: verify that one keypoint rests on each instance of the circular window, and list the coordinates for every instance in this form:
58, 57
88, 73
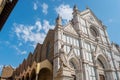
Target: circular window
94, 31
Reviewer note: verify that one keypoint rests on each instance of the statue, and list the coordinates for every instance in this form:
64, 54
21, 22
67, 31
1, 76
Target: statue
59, 20
64, 63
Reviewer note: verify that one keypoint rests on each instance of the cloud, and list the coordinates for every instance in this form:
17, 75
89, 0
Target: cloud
44, 8
32, 33
65, 11
18, 50
35, 6
20, 44
1, 67
38, 24
15, 47
47, 26
23, 52
110, 20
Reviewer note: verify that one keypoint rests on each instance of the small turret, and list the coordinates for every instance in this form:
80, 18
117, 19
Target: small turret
58, 20
75, 8
87, 7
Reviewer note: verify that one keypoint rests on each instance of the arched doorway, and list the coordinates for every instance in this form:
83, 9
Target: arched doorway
101, 70
33, 74
102, 66
45, 74
23, 78
74, 64
27, 76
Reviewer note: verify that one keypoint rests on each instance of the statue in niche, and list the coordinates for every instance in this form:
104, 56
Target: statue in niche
64, 63
63, 58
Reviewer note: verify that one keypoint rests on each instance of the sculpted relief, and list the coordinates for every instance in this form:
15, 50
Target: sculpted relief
63, 58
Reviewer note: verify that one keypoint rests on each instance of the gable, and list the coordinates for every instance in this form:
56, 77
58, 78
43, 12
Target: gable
90, 17
72, 54
98, 49
115, 49
69, 28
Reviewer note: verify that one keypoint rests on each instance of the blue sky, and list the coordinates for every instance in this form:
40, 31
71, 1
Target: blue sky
31, 19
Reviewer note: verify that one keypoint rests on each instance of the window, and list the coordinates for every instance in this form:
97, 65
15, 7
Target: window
87, 46
67, 49
100, 64
83, 24
94, 31
87, 55
47, 49
91, 73
84, 29
77, 52
71, 40
72, 65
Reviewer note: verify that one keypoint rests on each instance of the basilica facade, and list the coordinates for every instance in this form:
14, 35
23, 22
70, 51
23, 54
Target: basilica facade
79, 50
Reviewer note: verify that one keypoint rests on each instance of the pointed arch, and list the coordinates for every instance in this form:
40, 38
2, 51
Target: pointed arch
103, 67
76, 65
33, 74
27, 77
74, 59
23, 78
45, 70
103, 60
73, 63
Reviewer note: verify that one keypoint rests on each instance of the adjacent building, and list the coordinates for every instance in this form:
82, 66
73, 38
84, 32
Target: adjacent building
79, 50
6, 6
7, 73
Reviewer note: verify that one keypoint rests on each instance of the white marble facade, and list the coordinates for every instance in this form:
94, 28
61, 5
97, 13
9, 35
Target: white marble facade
86, 49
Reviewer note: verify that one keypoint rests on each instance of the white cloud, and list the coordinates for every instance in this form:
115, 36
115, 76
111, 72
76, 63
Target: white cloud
35, 6
65, 11
39, 26
1, 67
33, 34
15, 47
20, 44
47, 26
23, 52
18, 50
44, 8
110, 20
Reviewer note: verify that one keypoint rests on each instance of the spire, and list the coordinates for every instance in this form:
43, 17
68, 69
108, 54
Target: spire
59, 20
75, 8
87, 7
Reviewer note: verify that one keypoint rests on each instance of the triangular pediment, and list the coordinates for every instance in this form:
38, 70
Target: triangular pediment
72, 54
115, 49
90, 17
98, 49
69, 28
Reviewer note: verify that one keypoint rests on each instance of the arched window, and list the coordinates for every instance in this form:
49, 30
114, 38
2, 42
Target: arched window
47, 49
94, 31
100, 63
72, 64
